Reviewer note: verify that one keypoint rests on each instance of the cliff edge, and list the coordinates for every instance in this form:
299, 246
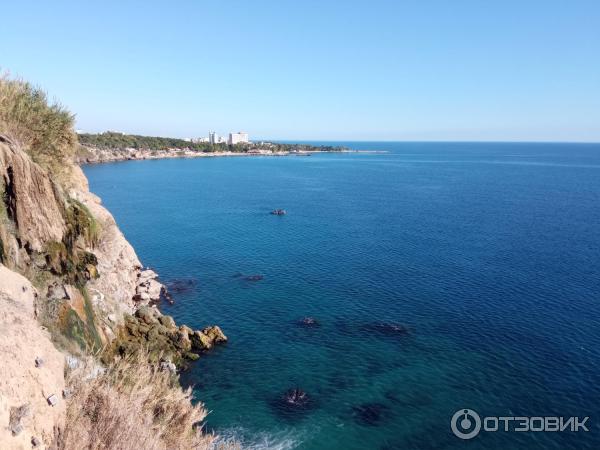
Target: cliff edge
74, 296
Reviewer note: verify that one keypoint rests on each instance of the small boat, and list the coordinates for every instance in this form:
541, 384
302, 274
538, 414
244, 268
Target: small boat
279, 212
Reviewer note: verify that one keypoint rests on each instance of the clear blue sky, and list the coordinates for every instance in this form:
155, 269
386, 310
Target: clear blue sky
357, 70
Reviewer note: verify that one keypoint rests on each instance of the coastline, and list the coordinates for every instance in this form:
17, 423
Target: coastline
93, 155
74, 286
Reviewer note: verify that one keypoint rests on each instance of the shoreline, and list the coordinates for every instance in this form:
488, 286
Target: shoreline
98, 156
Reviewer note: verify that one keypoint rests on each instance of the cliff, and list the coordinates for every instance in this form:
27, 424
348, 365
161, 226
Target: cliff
74, 295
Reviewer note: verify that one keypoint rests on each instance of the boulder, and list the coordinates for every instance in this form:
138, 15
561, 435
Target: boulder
309, 322
296, 397
146, 275
147, 315
167, 321
201, 341
182, 341
215, 334
154, 290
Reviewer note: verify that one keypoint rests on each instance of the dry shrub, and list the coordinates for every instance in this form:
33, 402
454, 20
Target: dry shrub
132, 405
44, 129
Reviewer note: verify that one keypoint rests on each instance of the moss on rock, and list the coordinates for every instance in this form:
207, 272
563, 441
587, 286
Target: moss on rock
159, 335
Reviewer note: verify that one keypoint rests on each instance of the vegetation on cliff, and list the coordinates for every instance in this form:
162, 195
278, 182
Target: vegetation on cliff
44, 129
57, 235
131, 405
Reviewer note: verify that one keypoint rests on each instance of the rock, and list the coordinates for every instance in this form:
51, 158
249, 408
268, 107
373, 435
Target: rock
309, 322
254, 277
16, 429
154, 290
16, 417
215, 334
39, 362
201, 341
72, 362
296, 397
187, 330
278, 212
167, 321
91, 271
369, 413
35, 442
52, 400
386, 329
181, 285
31, 198
168, 365
146, 275
147, 315
66, 393
192, 356
182, 340
56, 291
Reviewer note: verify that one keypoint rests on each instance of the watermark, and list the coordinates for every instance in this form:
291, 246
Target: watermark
466, 424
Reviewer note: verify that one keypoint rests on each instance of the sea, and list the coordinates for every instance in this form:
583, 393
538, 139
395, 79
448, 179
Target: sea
441, 279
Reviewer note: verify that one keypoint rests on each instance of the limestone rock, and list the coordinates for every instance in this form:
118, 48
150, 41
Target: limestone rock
32, 200
215, 334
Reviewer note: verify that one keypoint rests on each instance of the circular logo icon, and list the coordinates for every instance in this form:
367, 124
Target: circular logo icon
465, 424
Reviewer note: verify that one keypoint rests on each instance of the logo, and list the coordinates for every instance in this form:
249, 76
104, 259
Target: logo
465, 423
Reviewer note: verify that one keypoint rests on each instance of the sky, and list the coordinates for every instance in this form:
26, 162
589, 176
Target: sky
429, 70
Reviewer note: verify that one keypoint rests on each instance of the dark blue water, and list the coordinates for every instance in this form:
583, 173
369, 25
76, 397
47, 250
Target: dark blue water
487, 254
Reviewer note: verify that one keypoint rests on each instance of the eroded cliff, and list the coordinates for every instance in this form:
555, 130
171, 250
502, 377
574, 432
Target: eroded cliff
70, 284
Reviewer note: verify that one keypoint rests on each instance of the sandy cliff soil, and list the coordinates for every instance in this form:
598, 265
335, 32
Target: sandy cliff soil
25, 413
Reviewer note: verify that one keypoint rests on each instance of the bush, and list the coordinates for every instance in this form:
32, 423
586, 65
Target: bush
45, 130
132, 405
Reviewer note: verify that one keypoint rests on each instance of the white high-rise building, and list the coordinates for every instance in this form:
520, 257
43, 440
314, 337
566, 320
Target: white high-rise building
212, 137
238, 138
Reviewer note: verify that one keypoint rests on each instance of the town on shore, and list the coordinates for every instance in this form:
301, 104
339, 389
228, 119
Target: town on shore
115, 146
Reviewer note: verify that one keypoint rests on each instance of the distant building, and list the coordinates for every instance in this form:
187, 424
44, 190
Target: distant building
238, 138
211, 137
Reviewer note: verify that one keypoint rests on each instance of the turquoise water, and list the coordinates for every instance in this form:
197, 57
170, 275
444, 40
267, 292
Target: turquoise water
487, 256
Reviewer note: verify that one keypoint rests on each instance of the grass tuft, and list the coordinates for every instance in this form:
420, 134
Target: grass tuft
43, 128
132, 405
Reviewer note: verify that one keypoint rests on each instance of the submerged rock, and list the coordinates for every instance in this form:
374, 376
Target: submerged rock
296, 397
254, 277
181, 285
377, 329
293, 404
369, 413
386, 329
278, 212
309, 322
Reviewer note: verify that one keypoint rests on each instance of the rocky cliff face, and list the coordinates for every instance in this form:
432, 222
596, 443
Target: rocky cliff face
60, 237
30, 201
58, 234
65, 264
